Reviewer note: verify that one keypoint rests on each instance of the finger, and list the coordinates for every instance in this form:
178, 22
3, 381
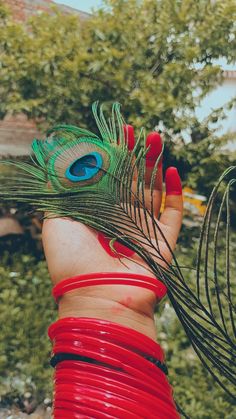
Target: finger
129, 136
130, 141
154, 142
173, 210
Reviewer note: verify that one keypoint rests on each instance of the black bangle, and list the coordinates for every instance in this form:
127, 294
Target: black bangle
158, 364
74, 357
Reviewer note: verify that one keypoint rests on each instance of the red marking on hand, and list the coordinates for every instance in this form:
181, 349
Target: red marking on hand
127, 301
118, 247
121, 305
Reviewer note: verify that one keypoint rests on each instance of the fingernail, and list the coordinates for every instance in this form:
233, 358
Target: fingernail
119, 248
129, 136
154, 142
173, 182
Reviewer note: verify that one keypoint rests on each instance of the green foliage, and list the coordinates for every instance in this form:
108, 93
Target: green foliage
152, 56
27, 309
194, 389
157, 58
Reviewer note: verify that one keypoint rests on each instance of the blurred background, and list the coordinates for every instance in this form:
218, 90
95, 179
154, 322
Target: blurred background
172, 66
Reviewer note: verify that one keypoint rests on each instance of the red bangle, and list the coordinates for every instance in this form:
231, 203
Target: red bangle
124, 384
109, 278
102, 329
106, 373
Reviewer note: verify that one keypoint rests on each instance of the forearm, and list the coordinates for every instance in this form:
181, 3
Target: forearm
115, 305
104, 350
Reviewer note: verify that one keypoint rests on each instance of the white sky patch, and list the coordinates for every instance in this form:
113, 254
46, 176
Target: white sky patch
83, 5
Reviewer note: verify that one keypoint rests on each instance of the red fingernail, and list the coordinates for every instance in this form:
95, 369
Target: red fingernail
119, 248
129, 136
154, 142
173, 182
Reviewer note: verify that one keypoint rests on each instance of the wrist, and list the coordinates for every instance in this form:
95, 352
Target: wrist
121, 297
114, 303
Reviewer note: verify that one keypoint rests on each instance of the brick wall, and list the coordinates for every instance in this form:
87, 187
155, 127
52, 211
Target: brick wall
22, 9
16, 135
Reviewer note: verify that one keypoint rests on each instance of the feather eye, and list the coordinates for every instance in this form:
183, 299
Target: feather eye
79, 163
85, 167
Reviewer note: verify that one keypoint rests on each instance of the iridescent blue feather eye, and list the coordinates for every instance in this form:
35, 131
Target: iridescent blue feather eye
85, 167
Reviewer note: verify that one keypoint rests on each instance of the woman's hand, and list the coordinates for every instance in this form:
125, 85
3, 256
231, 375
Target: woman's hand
72, 248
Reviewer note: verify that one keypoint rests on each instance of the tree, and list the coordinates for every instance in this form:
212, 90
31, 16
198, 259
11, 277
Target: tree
156, 57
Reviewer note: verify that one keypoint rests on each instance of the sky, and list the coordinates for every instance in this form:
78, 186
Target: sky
83, 5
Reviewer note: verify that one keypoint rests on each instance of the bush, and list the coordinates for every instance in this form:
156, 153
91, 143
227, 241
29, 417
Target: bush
195, 390
27, 309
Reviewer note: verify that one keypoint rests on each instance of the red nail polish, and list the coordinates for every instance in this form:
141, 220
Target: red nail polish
129, 136
154, 142
119, 248
173, 182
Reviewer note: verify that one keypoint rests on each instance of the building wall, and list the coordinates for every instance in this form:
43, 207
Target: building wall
16, 135
22, 9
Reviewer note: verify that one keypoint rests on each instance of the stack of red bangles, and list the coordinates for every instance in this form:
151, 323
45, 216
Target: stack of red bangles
103, 369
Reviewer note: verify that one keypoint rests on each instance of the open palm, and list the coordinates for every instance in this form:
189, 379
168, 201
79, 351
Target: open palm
72, 248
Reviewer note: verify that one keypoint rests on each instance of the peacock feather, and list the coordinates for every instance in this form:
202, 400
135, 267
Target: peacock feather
90, 177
